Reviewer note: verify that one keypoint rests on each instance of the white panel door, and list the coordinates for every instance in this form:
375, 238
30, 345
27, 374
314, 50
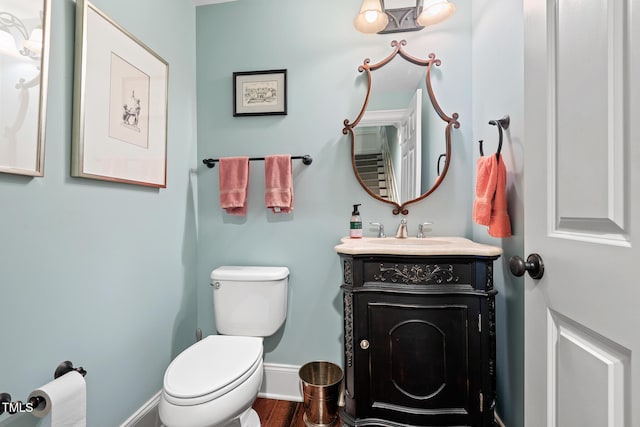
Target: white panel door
582, 213
410, 149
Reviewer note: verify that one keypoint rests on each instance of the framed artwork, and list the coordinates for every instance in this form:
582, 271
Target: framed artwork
24, 64
120, 104
260, 93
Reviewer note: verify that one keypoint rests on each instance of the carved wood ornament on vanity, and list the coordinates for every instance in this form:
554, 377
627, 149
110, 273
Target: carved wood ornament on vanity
400, 207
417, 274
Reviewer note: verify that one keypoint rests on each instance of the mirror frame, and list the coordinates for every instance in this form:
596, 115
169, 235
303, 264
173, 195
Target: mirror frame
451, 121
40, 82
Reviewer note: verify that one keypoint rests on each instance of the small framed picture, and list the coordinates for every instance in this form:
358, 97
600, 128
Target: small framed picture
260, 93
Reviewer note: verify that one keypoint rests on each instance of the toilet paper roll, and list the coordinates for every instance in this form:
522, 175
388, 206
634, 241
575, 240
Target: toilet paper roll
66, 401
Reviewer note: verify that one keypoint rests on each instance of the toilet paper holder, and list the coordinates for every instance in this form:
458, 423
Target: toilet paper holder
35, 401
66, 367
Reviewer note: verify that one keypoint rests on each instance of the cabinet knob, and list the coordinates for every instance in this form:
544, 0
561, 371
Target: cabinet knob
364, 344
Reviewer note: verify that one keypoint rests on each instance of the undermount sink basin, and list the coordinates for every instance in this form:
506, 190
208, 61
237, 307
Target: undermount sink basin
427, 241
415, 246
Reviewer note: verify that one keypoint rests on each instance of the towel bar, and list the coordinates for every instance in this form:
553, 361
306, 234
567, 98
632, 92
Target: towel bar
306, 159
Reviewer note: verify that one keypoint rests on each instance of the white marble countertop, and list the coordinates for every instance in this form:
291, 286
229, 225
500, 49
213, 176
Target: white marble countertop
414, 246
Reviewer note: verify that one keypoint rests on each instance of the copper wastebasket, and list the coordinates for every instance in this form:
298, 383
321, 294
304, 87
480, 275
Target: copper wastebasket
321, 387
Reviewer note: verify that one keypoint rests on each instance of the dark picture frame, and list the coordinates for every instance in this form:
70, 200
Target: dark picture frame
260, 93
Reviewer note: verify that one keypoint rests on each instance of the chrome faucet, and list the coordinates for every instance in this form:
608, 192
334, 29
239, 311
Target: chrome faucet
402, 229
381, 234
420, 234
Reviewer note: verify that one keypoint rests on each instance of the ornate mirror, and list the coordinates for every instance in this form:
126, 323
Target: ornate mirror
24, 51
392, 156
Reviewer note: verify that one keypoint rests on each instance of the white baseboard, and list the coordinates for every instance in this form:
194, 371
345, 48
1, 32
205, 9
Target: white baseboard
146, 415
281, 382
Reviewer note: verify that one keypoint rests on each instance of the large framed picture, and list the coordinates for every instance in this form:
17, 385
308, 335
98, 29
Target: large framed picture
24, 62
120, 104
260, 93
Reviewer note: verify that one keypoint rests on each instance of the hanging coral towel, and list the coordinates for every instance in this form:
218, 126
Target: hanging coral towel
490, 205
500, 224
486, 179
234, 184
278, 183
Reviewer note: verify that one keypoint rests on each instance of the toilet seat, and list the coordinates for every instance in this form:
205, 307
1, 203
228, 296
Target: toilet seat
211, 368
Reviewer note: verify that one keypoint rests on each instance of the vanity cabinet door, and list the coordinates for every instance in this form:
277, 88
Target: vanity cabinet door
422, 359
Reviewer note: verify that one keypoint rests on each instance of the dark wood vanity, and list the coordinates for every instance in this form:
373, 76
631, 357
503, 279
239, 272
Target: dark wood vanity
419, 338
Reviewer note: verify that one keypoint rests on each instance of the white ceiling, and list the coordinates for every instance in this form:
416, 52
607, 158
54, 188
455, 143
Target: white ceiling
204, 2
397, 4
389, 4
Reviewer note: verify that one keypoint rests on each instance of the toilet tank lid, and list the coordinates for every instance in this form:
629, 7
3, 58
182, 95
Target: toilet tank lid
249, 273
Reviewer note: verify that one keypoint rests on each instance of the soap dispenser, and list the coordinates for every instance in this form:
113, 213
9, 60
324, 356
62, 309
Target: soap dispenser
355, 225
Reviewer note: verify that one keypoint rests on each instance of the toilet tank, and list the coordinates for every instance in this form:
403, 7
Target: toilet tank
249, 300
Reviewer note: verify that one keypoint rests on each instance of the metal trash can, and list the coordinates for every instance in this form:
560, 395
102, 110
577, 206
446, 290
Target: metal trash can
321, 387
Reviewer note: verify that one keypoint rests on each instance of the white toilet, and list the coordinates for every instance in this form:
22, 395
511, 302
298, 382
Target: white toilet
215, 381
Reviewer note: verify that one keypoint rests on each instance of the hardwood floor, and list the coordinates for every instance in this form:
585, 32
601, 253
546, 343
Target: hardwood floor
279, 413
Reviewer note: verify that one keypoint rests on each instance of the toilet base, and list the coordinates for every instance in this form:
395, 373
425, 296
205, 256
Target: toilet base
249, 418
252, 419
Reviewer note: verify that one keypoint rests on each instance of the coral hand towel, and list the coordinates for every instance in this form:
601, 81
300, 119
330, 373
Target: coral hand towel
486, 179
490, 205
234, 184
500, 224
278, 183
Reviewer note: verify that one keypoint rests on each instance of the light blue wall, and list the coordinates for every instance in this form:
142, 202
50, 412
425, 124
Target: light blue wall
321, 51
498, 89
81, 280
98, 273
481, 74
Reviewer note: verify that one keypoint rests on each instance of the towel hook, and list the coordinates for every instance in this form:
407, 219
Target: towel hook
502, 123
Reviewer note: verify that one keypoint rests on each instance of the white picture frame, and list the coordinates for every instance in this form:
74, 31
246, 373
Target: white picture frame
24, 65
120, 104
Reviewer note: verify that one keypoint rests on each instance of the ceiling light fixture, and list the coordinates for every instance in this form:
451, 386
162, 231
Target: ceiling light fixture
375, 18
371, 18
435, 11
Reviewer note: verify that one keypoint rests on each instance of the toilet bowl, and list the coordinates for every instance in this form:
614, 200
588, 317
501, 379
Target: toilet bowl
214, 382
